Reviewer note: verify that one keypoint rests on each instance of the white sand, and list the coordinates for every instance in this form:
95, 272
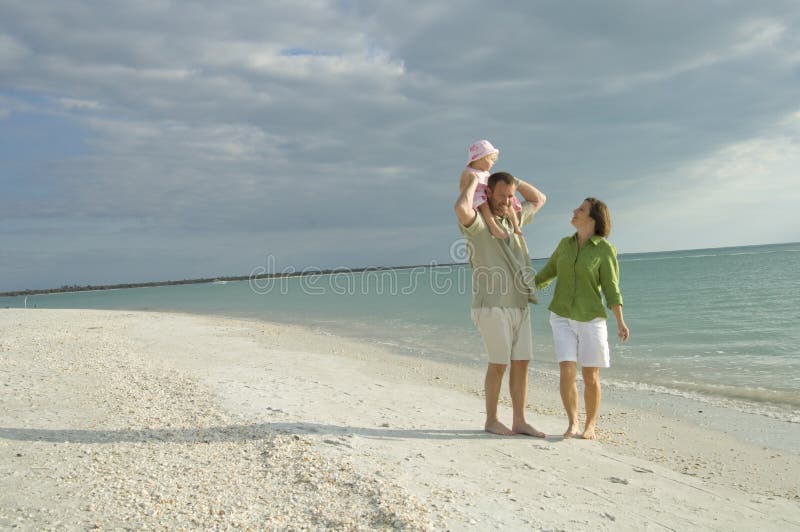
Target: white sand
144, 420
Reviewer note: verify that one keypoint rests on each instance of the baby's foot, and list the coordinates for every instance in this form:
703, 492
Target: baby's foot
497, 232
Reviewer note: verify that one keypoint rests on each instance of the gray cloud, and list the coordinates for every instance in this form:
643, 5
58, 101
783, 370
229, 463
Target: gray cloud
343, 122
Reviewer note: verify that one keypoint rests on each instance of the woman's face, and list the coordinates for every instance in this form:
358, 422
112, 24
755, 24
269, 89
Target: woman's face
580, 216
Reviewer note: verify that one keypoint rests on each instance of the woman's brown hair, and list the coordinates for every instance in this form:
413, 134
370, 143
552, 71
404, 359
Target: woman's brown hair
602, 219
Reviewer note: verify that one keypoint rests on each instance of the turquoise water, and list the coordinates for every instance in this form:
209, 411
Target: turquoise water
722, 325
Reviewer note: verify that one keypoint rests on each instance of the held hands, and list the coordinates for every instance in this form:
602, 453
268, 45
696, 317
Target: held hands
622, 331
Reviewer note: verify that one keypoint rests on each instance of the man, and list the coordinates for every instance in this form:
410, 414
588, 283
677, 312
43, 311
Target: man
502, 286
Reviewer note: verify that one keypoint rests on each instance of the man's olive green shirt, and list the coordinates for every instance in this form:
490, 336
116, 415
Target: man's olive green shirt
582, 274
502, 273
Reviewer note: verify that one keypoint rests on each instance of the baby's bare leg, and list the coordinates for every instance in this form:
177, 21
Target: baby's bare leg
491, 223
514, 216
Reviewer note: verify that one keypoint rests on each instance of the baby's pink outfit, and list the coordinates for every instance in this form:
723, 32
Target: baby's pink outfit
482, 194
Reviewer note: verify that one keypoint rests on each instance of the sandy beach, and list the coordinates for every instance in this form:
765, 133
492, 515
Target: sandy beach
114, 419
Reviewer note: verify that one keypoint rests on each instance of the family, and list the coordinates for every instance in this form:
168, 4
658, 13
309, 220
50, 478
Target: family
503, 283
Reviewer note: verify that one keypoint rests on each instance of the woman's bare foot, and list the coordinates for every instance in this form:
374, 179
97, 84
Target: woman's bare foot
572, 431
517, 231
528, 430
495, 427
589, 433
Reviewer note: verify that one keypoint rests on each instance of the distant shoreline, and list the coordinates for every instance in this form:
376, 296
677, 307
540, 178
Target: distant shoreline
208, 280
313, 271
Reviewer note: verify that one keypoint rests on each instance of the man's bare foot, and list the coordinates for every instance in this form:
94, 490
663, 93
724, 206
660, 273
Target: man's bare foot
495, 427
497, 232
572, 431
589, 433
527, 429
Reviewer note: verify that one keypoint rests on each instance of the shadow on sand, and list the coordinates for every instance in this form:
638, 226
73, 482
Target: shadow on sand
241, 433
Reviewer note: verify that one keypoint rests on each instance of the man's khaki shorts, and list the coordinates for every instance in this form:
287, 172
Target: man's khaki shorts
506, 332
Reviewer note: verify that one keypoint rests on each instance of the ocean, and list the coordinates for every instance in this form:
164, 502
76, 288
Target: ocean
718, 326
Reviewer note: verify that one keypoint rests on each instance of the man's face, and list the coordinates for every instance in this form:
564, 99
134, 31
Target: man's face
501, 197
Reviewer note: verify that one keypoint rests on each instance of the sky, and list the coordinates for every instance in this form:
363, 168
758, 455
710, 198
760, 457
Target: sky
164, 140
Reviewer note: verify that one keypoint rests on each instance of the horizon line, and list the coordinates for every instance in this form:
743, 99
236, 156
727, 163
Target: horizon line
66, 289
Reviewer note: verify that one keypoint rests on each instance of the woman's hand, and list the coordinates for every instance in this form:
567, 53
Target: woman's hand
622, 331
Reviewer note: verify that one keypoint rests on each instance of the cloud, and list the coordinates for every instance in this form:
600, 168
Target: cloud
299, 118
72, 104
744, 192
749, 39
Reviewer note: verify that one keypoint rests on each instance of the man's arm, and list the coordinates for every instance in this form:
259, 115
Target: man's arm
532, 195
464, 211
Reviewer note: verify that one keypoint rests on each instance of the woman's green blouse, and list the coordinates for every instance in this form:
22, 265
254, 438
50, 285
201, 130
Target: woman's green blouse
582, 274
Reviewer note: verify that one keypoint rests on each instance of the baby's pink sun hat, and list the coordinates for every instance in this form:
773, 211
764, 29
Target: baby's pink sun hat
480, 149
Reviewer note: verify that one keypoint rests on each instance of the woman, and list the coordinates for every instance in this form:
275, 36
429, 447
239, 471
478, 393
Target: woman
585, 264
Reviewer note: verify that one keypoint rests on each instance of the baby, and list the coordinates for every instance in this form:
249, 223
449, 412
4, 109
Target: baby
482, 156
